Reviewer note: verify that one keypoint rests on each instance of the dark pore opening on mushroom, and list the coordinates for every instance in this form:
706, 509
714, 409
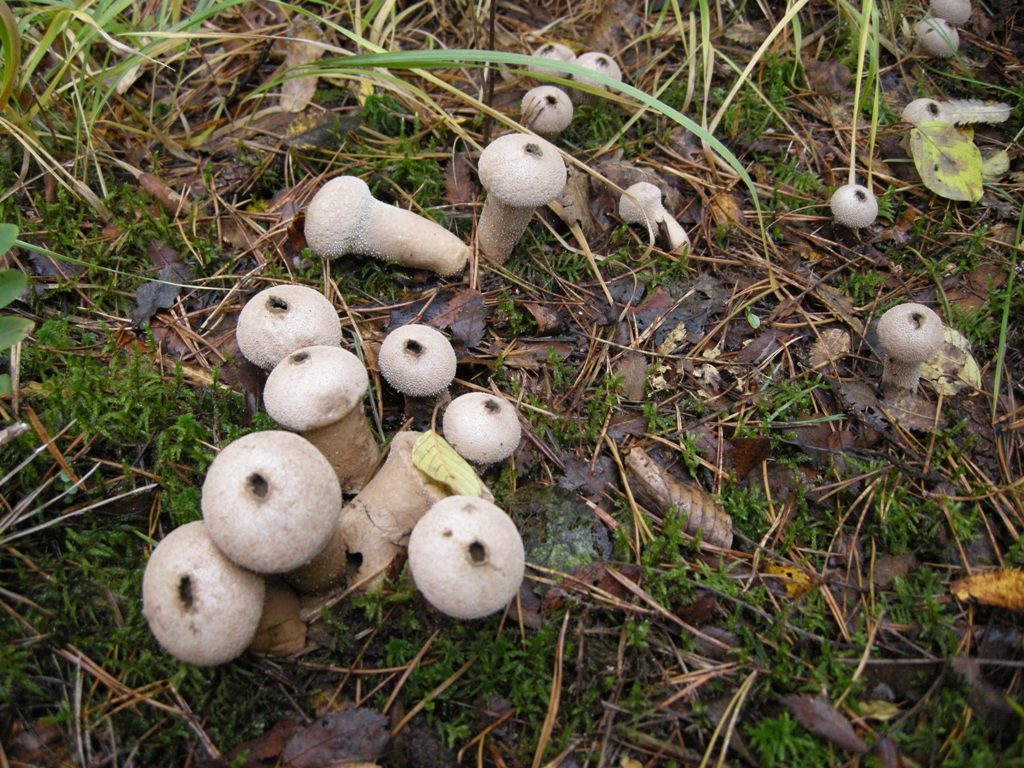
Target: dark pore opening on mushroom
551, 100
492, 406
257, 485
185, 592
533, 150
276, 304
859, 194
413, 347
300, 357
602, 62
933, 108
354, 560
916, 319
546, 49
477, 552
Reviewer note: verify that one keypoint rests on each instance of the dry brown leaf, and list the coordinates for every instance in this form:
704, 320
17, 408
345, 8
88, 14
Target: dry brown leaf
460, 189
832, 345
746, 34
339, 738
818, 716
912, 412
727, 210
632, 367
297, 92
1001, 589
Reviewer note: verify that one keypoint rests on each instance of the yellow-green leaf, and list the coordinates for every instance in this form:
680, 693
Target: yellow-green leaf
432, 456
1002, 589
947, 160
995, 165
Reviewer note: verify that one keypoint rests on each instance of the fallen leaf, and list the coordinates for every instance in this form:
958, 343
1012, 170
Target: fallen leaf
793, 579
547, 319
827, 76
632, 368
832, 345
460, 189
992, 705
746, 34
154, 295
912, 412
434, 457
954, 368
727, 210
466, 316
947, 159
1001, 589
995, 165
300, 51
338, 739
878, 709
744, 454
818, 716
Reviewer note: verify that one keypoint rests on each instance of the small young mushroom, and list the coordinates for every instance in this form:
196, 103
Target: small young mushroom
482, 428
936, 37
344, 218
318, 392
641, 204
598, 62
283, 318
270, 501
201, 607
910, 335
419, 362
520, 172
854, 206
956, 12
466, 557
555, 52
920, 110
546, 110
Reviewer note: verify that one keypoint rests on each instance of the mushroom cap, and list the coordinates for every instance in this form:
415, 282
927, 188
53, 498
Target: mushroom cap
598, 62
522, 171
546, 109
937, 37
554, 51
201, 607
283, 318
641, 204
271, 501
466, 557
926, 109
854, 206
910, 333
417, 360
315, 386
481, 427
336, 217
956, 12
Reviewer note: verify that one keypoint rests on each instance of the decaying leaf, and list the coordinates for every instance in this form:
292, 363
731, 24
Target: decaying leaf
301, 49
434, 457
1001, 589
793, 579
954, 367
459, 186
658, 489
996, 165
878, 709
338, 739
832, 345
746, 34
818, 716
947, 159
912, 412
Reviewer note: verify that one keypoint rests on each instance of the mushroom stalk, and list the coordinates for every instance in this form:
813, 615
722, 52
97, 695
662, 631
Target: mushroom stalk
500, 228
349, 446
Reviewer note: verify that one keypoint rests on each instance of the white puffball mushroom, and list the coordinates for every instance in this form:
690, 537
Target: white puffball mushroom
956, 12
596, 62
201, 607
854, 206
920, 110
520, 172
271, 501
482, 428
641, 204
910, 334
344, 218
546, 110
283, 318
417, 360
555, 52
466, 557
936, 37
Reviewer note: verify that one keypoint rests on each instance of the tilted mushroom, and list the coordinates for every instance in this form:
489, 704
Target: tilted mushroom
283, 318
910, 335
466, 557
936, 37
854, 206
920, 110
956, 12
641, 204
546, 110
344, 218
201, 607
957, 111
270, 501
318, 392
598, 62
482, 428
555, 52
520, 172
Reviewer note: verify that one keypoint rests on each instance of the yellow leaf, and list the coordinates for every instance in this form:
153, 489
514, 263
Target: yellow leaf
1002, 589
878, 709
947, 160
432, 456
796, 582
954, 367
995, 165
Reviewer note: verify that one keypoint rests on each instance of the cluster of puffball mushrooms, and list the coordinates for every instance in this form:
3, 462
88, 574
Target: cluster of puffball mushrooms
275, 522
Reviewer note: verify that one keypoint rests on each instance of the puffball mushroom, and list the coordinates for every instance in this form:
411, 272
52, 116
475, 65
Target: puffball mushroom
956, 12
344, 218
854, 206
466, 557
910, 334
920, 110
318, 392
482, 428
546, 110
555, 52
596, 62
936, 37
283, 318
520, 172
641, 204
201, 607
270, 501
417, 360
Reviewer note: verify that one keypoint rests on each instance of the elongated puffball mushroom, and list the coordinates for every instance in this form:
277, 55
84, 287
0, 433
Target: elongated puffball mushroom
417, 360
271, 501
920, 110
936, 37
641, 204
599, 62
956, 12
555, 52
283, 318
318, 392
201, 607
520, 172
546, 110
344, 218
482, 428
854, 206
910, 334
466, 557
